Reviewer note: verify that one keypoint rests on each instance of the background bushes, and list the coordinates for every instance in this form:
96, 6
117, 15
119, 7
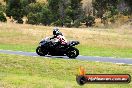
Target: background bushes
69, 13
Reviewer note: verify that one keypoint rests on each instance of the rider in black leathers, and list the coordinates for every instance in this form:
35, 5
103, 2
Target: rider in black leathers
60, 39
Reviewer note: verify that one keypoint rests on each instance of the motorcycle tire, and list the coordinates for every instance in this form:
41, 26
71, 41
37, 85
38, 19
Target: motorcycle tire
40, 52
72, 52
81, 80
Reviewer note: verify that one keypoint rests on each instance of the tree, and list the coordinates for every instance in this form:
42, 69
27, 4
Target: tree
58, 9
31, 1
129, 3
38, 13
46, 16
87, 6
34, 13
34, 8
53, 6
62, 10
106, 9
2, 10
90, 21
13, 8
76, 8
65, 11
102, 6
16, 8
34, 18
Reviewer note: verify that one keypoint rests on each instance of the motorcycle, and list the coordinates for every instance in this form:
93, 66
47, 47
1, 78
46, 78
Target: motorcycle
48, 47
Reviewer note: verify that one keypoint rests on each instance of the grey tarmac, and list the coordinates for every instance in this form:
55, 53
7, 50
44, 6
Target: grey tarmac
80, 57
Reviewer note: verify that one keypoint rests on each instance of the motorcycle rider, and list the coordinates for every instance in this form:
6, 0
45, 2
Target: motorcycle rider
58, 37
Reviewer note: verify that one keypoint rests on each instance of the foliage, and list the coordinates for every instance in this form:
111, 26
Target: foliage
102, 6
33, 12
63, 22
129, 3
106, 9
76, 9
2, 9
2, 17
53, 6
13, 8
34, 7
90, 20
67, 21
113, 11
46, 16
24, 4
63, 12
34, 18
60, 12
39, 13
59, 22
77, 23
17, 6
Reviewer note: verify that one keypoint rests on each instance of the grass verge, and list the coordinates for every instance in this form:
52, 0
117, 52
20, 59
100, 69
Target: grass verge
93, 41
84, 50
106, 51
36, 72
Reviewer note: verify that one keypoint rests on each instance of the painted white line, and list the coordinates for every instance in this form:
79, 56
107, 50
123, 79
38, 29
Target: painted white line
56, 57
101, 57
120, 63
35, 56
97, 61
20, 55
130, 64
17, 51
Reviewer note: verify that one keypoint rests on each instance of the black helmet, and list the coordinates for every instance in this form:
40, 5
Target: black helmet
56, 32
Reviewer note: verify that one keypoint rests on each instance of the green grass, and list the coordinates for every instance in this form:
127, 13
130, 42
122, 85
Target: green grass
84, 50
93, 41
106, 51
18, 47
36, 72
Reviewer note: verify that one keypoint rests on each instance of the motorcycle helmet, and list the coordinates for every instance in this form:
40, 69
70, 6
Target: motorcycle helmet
56, 32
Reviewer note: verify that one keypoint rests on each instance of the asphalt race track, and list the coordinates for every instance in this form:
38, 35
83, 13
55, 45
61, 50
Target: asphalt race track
80, 57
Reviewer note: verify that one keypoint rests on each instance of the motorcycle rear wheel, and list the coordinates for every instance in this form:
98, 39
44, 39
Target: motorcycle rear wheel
72, 52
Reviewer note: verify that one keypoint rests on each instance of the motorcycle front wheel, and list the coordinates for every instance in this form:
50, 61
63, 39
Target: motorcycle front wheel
40, 51
72, 52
